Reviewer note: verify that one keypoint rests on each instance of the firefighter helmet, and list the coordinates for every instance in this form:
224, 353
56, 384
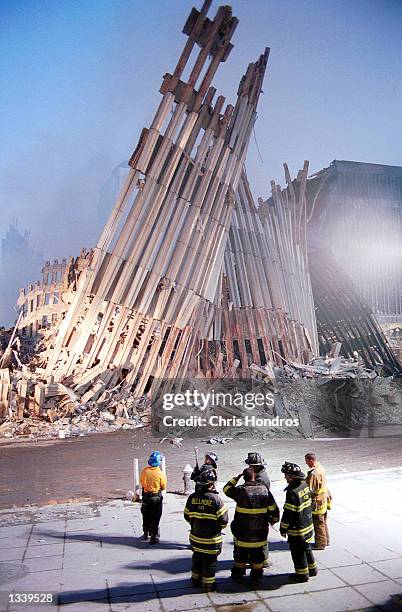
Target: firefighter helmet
292, 469
214, 459
155, 459
207, 477
254, 459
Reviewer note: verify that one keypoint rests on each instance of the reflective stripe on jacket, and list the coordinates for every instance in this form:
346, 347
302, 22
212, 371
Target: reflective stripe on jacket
297, 519
208, 515
255, 509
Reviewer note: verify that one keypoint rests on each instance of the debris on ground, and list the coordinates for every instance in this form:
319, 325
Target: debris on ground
219, 440
38, 407
175, 442
325, 368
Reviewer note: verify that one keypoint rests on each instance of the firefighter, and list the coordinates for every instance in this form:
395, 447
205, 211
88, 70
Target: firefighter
320, 498
255, 461
255, 510
208, 515
210, 462
153, 482
297, 523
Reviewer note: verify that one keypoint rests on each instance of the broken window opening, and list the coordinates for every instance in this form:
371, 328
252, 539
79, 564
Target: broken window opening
236, 352
261, 351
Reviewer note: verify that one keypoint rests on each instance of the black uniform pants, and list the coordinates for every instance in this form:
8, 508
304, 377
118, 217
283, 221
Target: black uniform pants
302, 555
204, 567
243, 555
151, 511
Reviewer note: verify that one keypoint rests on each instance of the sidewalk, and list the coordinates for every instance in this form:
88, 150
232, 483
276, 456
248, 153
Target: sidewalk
91, 556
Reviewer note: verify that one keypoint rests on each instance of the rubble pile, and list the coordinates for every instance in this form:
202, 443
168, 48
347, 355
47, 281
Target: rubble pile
189, 278
325, 368
39, 408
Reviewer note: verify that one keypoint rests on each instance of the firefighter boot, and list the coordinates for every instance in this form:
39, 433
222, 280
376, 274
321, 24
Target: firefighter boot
208, 584
298, 578
238, 574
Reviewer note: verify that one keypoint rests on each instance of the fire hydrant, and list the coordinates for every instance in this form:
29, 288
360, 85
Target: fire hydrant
186, 477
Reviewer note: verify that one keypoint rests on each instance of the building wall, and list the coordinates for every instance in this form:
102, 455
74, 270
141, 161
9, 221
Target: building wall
45, 302
358, 215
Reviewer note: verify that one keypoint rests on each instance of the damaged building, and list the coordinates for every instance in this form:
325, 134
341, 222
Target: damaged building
191, 276
356, 212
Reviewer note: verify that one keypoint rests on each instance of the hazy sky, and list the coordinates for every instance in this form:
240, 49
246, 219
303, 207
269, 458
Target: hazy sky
80, 79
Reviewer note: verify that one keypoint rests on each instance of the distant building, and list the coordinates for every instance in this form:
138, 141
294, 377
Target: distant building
110, 191
19, 264
355, 210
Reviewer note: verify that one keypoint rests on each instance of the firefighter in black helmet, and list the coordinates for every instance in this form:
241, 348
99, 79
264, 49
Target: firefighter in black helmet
255, 461
297, 523
208, 515
255, 510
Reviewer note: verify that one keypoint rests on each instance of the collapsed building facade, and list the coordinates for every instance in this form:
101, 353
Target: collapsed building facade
190, 276
355, 210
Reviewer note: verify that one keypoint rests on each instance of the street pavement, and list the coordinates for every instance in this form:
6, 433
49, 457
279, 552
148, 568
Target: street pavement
91, 557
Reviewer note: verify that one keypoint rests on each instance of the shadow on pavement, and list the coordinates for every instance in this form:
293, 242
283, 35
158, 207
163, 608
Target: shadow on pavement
278, 545
180, 565
131, 542
176, 588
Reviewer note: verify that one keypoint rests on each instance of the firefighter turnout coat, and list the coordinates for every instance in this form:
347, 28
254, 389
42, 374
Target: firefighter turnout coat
255, 509
320, 496
208, 515
297, 520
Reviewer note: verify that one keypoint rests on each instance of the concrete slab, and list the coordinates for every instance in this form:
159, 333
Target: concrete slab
379, 593
302, 603
15, 531
88, 606
391, 568
335, 556
11, 554
41, 564
183, 600
136, 602
45, 550
233, 594
11, 542
45, 581
336, 600
368, 554
79, 581
121, 585
358, 574
340, 600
